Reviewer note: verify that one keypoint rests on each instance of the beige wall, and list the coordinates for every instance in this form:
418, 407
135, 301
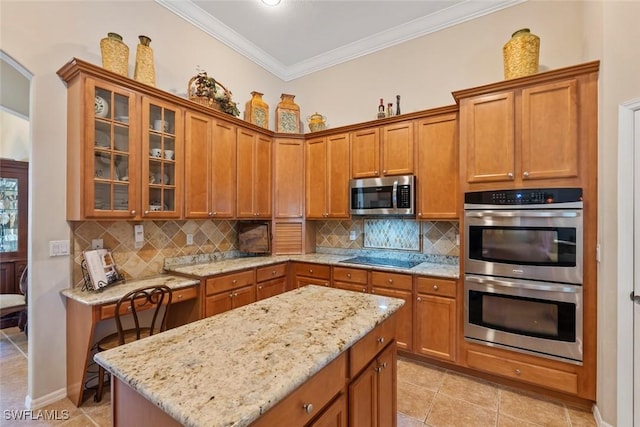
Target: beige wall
14, 137
423, 72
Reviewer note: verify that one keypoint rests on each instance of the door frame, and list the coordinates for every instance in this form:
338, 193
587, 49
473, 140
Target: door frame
628, 157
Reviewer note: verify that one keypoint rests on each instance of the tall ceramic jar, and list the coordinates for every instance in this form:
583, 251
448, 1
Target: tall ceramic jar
115, 54
287, 115
145, 71
257, 111
521, 54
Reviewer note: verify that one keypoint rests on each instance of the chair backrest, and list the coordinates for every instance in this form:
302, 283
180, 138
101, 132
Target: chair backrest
143, 299
24, 279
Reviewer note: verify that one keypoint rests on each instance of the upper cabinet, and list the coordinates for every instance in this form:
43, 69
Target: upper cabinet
288, 177
210, 167
531, 131
383, 151
327, 177
253, 175
437, 165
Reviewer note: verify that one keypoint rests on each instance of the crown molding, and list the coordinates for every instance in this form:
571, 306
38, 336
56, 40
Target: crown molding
456, 14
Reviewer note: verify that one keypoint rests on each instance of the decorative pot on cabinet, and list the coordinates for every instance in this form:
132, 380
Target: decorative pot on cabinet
287, 115
521, 54
317, 122
145, 71
115, 54
257, 111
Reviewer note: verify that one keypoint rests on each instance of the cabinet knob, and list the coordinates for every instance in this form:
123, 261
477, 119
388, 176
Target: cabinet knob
419, 213
260, 287
517, 371
215, 213
133, 212
364, 289
435, 287
326, 284
390, 280
349, 275
384, 172
418, 299
234, 281
308, 408
146, 212
373, 291
525, 174
180, 296
231, 295
311, 271
510, 174
381, 340
210, 213
273, 273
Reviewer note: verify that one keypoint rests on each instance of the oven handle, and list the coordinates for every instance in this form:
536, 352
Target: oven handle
513, 214
555, 287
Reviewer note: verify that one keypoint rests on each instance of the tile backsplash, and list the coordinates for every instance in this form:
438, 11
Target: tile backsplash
162, 239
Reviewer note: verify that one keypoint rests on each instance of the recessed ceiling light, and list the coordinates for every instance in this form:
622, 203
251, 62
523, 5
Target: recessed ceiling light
271, 2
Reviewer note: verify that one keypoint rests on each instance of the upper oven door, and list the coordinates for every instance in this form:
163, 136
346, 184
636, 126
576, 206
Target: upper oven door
382, 196
529, 244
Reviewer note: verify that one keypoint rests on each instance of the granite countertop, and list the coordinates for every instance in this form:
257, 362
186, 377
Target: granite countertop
115, 292
229, 265
231, 368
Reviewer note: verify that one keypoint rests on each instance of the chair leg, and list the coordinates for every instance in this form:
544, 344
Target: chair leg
98, 395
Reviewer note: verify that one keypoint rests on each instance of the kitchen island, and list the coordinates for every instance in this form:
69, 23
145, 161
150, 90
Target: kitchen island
254, 364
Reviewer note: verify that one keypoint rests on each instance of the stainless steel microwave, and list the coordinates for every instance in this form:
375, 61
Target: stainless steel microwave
386, 196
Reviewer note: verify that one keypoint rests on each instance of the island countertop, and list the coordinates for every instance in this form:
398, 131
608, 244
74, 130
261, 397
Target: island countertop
231, 368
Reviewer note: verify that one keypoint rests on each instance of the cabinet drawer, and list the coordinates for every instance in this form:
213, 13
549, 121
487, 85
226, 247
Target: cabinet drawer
371, 344
271, 272
312, 270
303, 404
526, 372
178, 295
439, 287
352, 275
391, 280
229, 281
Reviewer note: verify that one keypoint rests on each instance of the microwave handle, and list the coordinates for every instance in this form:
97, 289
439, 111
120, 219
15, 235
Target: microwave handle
521, 214
394, 194
522, 285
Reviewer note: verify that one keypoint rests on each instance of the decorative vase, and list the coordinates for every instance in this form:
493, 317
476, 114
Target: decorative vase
521, 54
145, 71
115, 54
287, 115
257, 111
317, 122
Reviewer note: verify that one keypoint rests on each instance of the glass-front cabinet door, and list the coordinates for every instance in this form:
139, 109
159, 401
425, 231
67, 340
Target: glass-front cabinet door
162, 147
113, 153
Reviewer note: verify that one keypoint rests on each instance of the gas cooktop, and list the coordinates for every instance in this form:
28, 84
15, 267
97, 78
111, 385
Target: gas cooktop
388, 262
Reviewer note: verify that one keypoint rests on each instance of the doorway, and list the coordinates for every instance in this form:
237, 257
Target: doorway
628, 377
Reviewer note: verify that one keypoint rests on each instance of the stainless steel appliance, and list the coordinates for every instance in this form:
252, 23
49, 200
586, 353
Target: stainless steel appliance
386, 196
523, 271
385, 262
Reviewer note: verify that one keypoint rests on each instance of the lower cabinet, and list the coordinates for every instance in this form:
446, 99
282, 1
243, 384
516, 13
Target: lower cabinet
372, 395
229, 291
311, 274
397, 286
335, 415
272, 280
435, 318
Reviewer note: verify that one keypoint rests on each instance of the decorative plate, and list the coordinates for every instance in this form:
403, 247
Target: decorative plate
101, 106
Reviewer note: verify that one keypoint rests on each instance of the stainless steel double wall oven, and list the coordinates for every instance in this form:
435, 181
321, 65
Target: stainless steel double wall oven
523, 271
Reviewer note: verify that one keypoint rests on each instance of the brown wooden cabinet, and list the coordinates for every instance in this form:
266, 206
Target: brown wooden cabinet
383, 151
253, 175
272, 280
336, 415
288, 177
210, 167
228, 291
435, 318
531, 132
437, 165
327, 177
372, 395
397, 285
351, 279
310, 274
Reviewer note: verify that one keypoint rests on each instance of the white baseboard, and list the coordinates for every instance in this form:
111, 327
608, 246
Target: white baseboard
599, 421
46, 399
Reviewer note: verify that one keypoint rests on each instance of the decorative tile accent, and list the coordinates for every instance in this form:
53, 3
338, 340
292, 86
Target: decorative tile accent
163, 239
392, 234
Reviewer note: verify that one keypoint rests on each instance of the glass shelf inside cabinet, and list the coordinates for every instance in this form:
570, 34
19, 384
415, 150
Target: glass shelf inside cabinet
9, 215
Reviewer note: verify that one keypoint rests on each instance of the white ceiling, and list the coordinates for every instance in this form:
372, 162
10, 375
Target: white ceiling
299, 37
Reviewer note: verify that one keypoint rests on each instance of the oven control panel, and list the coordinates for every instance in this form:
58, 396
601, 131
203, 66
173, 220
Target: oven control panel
533, 196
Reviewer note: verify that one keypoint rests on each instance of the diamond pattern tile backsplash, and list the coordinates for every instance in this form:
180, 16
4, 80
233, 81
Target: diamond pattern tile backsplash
162, 239
427, 237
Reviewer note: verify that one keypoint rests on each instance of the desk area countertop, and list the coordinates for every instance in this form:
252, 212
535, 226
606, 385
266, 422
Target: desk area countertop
205, 269
231, 368
115, 292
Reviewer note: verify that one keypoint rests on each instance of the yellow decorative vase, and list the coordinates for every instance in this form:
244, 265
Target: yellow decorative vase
257, 111
287, 115
115, 54
521, 54
145, 70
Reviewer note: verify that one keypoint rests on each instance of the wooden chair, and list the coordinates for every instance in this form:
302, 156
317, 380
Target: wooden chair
16, 303
133, 303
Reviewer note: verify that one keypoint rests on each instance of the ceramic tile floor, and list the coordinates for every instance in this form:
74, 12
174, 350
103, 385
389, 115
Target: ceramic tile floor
427, 396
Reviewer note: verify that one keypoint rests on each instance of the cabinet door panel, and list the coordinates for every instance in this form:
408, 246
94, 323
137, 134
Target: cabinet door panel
335, 415
223, 170
197, 192
316, 188
487, 127
271, 288
8, 283
262, 177
404, 322
397, 149
550, 131
363, 397
365, 153
219, 303
244, 296
338, 176
289, 178
437, 181
436, 327
387, 390
245, 171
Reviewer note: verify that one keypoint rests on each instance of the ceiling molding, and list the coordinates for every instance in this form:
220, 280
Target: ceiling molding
456, 14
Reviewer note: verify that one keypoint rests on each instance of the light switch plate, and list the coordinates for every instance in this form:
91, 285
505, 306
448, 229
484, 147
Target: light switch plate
189, 239
138, 234
58, 247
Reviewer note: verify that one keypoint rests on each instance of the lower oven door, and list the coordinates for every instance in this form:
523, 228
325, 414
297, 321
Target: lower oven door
539, 318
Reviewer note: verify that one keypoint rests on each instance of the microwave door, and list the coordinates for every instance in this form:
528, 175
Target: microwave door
394, 195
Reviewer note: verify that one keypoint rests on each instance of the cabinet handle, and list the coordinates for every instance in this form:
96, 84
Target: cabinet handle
260, 287
180, 296
435, 287
384, 365
364, 289
146, 212
419, 213
311, 271
517, 372
210, 213
381, 340
373, 291
349, 275
133, 212
215, 213
326, 284
234, 281
308, 408
384, 172
390, 280
525, 174
231, 295
375, 172
418, 299
510, 174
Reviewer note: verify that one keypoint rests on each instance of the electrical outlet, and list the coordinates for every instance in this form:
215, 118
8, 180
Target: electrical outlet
96, 244
457, 239
352, 235
189, 239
